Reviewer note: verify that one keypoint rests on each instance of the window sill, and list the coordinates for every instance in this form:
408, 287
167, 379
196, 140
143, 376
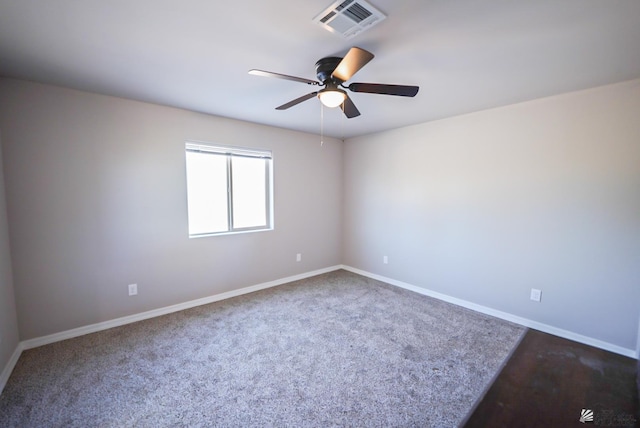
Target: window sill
235, 232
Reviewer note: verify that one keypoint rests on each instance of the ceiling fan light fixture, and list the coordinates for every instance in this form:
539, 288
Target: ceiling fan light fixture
331, 97
332, 72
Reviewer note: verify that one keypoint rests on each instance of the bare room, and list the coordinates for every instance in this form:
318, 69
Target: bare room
351, 213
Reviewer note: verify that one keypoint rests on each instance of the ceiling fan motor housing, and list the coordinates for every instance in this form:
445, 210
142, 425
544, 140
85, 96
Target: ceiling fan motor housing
325, 67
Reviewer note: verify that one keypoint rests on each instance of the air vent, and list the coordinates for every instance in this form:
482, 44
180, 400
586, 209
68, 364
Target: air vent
349, 17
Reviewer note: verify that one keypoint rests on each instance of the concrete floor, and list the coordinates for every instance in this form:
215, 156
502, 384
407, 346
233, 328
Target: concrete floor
551, 382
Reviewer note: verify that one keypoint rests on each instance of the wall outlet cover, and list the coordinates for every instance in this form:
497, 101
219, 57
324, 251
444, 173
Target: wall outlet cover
536, 294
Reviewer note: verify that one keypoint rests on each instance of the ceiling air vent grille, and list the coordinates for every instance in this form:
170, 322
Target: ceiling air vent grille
348, 18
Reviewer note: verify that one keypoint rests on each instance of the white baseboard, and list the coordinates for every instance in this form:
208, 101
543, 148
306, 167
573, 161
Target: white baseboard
6, 372
502, 315
93, 328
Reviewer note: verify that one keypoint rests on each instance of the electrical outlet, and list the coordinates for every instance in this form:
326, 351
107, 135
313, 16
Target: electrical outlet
298, 257
385, 260
133, 289
536, 295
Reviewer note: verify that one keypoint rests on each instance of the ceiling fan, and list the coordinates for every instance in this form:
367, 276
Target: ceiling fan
332, 72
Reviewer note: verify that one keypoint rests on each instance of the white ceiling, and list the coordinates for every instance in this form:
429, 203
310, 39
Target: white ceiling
466, 55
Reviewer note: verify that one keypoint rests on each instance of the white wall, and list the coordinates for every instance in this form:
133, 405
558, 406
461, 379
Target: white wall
96, 198
8, 319
486, 206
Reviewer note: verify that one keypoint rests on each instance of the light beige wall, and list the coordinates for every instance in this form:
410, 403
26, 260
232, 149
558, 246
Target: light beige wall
638, 351
486, 206
96, 200
8, 319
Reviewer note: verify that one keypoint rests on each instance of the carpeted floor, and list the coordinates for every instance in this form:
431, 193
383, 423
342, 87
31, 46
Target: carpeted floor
333, 350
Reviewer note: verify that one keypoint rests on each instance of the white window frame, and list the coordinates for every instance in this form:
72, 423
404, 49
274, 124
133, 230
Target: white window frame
230, 152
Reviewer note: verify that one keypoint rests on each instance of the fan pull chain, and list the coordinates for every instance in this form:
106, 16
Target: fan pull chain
321, 124
344, 119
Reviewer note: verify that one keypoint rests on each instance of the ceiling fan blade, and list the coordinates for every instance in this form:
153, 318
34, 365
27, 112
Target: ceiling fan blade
375, 88
282, 76
297, 101
349, 108
355, 59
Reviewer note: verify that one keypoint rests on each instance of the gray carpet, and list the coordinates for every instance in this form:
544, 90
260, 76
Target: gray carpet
333, 350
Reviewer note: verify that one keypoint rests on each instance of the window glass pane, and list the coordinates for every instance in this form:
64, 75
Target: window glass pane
249, 192
207, 192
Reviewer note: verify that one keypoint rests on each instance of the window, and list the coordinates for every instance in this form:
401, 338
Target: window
228, 189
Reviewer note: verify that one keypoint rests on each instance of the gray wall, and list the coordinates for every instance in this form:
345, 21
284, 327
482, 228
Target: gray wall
96, 199
8, 319
483, 207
